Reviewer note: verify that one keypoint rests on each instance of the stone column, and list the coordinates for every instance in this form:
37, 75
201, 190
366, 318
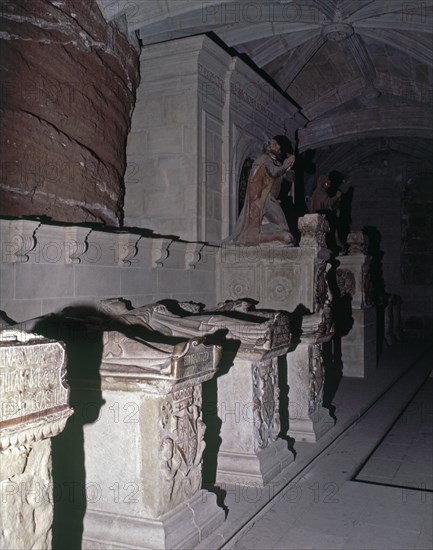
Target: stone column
34, 408
358, 347
144, 454
248, 405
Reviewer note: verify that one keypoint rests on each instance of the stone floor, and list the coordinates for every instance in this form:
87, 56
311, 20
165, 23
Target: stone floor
367, 484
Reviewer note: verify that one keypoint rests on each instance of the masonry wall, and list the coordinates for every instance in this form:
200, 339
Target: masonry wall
45, 268
200, 113
378, 203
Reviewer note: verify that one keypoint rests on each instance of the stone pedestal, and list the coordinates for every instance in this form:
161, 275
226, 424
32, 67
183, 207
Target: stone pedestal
143, 455
308, 419
358, 347
34, 408
292, 279
250, 452
277, 276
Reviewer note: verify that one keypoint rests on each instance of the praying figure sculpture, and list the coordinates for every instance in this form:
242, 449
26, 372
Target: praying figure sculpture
262, 219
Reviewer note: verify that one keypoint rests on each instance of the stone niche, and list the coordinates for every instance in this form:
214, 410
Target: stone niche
68, 83
199, 114
34, 407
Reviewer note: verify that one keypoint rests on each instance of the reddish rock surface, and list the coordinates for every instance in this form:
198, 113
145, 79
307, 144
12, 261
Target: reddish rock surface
68, 88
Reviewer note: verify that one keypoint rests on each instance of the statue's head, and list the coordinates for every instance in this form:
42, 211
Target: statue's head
335, 178
279, 147
323, 182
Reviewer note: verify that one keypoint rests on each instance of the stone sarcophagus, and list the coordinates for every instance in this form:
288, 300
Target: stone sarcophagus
308, 419
249, 405
144, 455
34, 407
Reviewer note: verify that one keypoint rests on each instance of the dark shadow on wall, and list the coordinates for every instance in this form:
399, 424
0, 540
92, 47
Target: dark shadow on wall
332, 350
212, 418
84, 352
378, 296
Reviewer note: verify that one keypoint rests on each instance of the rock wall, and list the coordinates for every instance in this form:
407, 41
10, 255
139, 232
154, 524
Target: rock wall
69, 81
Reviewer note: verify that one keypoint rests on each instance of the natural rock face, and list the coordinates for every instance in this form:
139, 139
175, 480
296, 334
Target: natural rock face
69, 81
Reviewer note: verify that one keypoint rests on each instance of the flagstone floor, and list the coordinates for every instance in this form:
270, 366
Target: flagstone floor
366, 485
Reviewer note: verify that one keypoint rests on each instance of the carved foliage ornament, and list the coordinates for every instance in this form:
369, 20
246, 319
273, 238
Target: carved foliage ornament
181, 444
321, 289
266, 415
317, 378
313, 228
346, 282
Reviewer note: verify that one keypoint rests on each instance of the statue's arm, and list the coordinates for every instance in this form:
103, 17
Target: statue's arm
273, 170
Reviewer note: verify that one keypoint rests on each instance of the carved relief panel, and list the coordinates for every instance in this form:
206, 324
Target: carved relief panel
265, 403
317, 377
181, 444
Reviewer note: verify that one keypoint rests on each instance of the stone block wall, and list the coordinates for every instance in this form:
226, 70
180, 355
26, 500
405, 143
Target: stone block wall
45, 268
379, 183
378, 202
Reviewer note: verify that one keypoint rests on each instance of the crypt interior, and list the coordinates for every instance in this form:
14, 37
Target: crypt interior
165, 384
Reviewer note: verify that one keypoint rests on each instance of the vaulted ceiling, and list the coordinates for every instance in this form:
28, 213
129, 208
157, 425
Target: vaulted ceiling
359, 69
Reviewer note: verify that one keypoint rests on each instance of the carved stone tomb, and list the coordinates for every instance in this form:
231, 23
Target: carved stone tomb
34, 407
144, 453
248, 405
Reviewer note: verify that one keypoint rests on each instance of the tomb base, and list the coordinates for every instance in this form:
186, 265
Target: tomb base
143, 454
256, 469
312, 427
308, 420
358, 347
248, 405
183, 527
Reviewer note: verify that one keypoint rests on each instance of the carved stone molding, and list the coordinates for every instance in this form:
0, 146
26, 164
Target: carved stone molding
20, 240
127, 248
160, 251
193, 254
322, 293
265, 403
313, 228
76, 243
